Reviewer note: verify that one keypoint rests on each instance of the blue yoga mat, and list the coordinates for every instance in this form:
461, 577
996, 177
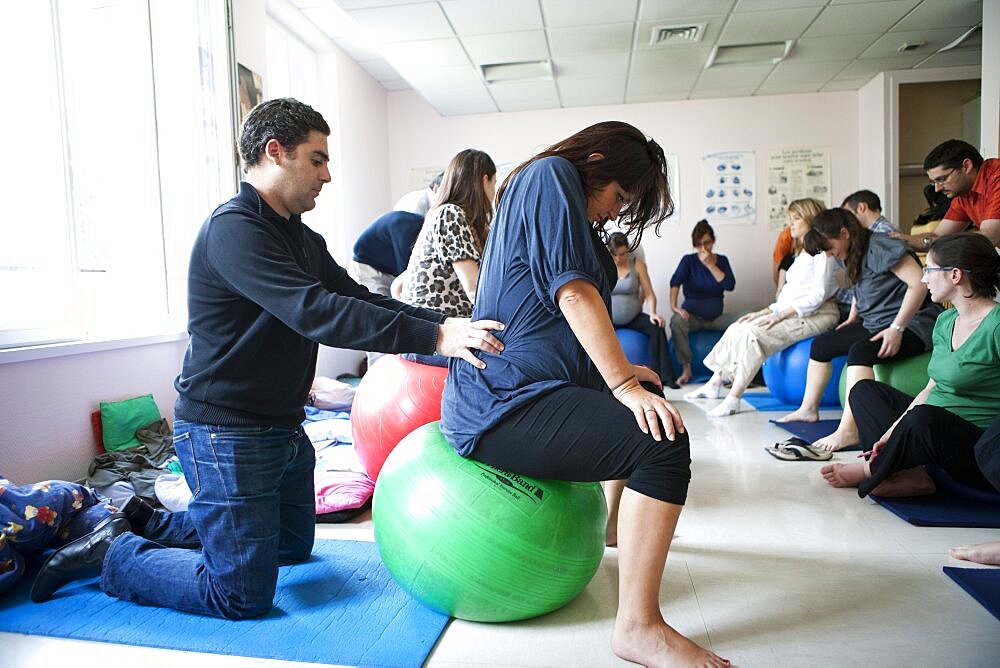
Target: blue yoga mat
341, 607
982, 584
765, 401
810, 432
943, 509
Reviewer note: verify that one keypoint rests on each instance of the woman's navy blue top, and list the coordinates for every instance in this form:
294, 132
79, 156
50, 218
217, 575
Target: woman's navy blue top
702, 291
540, 240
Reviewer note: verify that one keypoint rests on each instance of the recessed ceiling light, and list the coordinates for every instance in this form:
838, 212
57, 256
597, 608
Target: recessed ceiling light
744, 54
520, 71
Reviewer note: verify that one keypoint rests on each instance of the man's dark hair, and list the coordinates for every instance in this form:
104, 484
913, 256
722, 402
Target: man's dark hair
866, 197
951, 154
285, 119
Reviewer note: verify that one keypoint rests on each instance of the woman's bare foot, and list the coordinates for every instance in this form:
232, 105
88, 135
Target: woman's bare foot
801, 415
660, 645
685, 376
984, 553
844, 475
611, 533
838, 440
911, 482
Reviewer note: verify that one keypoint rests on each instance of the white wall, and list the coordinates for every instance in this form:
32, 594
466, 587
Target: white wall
45, 430
418, 136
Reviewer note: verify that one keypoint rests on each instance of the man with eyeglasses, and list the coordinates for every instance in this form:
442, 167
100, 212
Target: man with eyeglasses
956, 169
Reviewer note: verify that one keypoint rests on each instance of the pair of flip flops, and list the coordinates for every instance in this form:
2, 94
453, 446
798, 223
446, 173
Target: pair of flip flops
795, 449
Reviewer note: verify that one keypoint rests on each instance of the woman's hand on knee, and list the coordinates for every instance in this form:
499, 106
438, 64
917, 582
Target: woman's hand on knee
646, 375
891, 339
654, 414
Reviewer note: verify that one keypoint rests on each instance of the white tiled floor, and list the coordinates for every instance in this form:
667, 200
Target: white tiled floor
770, 567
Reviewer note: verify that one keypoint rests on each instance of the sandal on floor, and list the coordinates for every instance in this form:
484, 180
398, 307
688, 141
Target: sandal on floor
795, 449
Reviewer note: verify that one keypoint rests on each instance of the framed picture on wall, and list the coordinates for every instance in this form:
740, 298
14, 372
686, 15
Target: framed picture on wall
251, 89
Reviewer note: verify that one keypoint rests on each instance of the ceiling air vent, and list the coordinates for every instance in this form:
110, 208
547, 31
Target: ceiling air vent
683, 34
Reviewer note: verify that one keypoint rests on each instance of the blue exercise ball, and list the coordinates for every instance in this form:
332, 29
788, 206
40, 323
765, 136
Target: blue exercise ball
636, 346
701, 341
785, 375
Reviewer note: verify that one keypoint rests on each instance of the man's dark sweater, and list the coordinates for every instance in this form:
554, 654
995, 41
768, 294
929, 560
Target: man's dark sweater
262, 291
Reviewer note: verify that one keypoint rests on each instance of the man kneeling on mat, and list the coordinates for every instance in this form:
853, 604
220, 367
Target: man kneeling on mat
262, 293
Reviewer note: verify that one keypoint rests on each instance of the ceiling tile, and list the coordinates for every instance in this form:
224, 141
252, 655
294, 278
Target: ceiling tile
365, 4
869, 67
769, 26
455, 101
403, 23
593, 67
632, 98
831, 48
808, 72
955, 58
765, 5
659, 71
425, 55
523, 95
579, 91
943, 13
885, 46
358, 48
870, 16
733, 76
581, 41
566, 13
330, 19
380, 69
656, 10
784, 88
443, 77
508, 47
478, 17
713, 25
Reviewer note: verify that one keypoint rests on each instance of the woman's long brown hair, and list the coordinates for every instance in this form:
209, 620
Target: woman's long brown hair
828, 225
635, 162
462, 185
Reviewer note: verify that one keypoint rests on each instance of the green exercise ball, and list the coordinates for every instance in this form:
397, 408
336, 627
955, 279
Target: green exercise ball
477, 543
909, 375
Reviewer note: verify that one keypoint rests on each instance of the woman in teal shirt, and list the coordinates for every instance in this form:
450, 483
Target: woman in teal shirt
943, 423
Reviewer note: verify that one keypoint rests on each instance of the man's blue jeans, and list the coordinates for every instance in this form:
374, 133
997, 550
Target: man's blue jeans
253, 508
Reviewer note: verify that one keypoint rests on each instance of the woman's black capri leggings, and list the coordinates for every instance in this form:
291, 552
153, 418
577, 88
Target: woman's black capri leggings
853, 341
573, 433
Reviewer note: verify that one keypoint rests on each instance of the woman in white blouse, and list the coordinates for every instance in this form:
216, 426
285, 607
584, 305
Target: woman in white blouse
804, 308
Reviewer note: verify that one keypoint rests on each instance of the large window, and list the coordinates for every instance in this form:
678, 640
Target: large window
119, 134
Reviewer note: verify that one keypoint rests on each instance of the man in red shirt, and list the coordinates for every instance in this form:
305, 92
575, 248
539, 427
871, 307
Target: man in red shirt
958, 170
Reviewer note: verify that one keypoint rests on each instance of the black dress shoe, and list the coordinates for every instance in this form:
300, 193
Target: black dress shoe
82, 558
139, 512
672, 384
